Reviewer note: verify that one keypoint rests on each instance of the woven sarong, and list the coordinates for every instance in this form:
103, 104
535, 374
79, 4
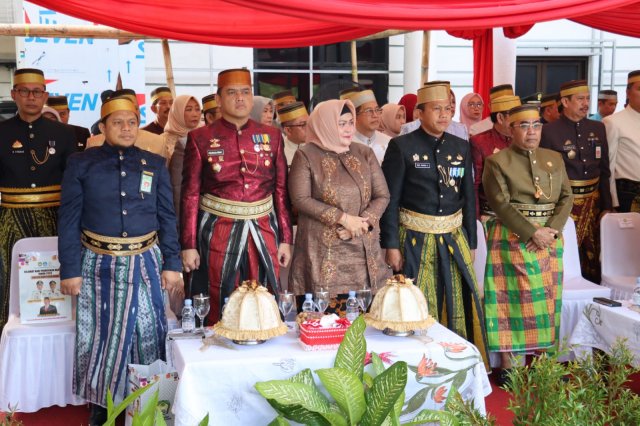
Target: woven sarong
442, 268
522, 292
232, 251
120, 320
586, 214
16, 224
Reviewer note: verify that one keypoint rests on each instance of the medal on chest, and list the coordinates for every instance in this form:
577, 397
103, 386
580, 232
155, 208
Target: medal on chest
211, 154
261, 143
52, 147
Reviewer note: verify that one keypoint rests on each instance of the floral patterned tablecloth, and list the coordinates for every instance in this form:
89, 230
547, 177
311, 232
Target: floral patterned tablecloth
220, 381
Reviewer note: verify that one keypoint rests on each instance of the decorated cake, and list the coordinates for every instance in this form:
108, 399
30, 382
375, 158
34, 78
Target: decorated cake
323, 334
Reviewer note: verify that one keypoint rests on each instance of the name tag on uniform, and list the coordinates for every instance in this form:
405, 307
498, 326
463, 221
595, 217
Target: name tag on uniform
598, 151
569, 147
423, 165
146, 182
216, 152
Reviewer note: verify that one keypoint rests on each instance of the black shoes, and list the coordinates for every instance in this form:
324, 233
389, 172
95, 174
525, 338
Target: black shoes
503, 377
98, 415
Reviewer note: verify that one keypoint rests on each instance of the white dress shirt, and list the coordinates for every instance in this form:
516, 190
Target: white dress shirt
378, 142
290, 149
623, 137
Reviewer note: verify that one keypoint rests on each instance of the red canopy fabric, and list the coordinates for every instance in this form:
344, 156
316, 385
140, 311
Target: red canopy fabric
623, 20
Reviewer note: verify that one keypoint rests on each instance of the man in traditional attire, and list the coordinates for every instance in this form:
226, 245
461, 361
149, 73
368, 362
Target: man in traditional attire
607, 103
210, 109
281, 99
235, 219
147, 141
429, 226
455, 128
368, 116
117, 202
348, 92
488, 143
487, 124
549, 108
161, 101
583, 145
294, 119
528, 189
61, 105
33, 156
623, 134
104, 97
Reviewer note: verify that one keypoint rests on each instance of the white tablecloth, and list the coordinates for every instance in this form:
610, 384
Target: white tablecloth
220, 381
599, 326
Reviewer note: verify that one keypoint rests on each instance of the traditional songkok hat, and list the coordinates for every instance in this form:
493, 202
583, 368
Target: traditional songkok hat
504, 103
608, 95
523, 112
349, 92
437, 83
251, 313
548, 100
125, 93
433, 92
281, 97
399, 306
57, 102
28, 75
209, 102
117, 104
573, 87
292, 111
160, 92
501, 90
362, 97
234, 76
534, 98
634, 76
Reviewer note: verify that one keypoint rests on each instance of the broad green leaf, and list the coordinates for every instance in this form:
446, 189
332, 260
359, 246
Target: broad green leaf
384, 393
353, 349
299, 414
416, 401
136, 419
205, 421
425, 416
306, 378
453, 391
123, 405
378, 365
279, 421
397, 408
346, 389
368, 380
160, 418
335, 408
148, 413
109, 404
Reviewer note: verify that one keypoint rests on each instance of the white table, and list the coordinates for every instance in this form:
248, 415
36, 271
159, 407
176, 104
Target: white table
220, 381
599, 326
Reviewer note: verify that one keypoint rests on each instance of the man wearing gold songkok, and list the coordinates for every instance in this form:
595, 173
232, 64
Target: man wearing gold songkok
368, 116
235, 214
585, 151
607, 103
33, 156
281, 99
61, 105
528, 189
487, 124
429, 226
349, 92
161, 101
549, 108
623, 134
118, 249
488, 143
210, 109
294, 119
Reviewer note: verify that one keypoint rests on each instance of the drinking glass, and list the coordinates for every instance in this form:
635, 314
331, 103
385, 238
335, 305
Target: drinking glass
285, 305
202, 306
322, 300
364, 299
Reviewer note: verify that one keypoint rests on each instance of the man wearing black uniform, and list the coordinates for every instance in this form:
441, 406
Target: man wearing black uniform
33, 155
429, 227
60, 104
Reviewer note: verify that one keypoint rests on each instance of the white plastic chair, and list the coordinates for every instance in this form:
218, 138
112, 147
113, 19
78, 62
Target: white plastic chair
620, 249
480, 262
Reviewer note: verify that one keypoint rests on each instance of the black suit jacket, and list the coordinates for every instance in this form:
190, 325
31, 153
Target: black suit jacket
52, 310
82, 134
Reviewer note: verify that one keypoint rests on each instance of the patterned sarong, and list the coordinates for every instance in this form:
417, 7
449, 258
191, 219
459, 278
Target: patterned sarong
522, 292
232, 251
586, 214
120, 320
442, 268
16, 224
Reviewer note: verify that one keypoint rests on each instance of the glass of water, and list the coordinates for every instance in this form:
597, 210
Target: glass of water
286, 304
202, 306
364, 299
323, 299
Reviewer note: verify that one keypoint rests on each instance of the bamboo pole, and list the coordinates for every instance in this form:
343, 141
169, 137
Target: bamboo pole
68, 31
168, 67
384, 34
354, 61
426, 40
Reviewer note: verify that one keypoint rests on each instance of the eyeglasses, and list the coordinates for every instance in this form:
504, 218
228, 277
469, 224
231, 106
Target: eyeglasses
24, 92
472, 105
526, 126
303, 125
370, 111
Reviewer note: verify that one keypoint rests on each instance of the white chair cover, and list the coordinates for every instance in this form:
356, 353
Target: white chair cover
620, 248
481, 258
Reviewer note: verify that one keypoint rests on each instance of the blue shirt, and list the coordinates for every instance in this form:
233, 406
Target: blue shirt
454, 128
596, 117
101, 194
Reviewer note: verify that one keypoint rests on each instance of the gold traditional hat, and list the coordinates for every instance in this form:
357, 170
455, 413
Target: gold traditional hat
126, 93
433, 92
399, 306
209, 102
523, 112
634, 76
548, 100
438, 83
362, 97
348, 92
250, 314
573, 87
117, 104
28, 75
160, 92
292, 111
234, 76
501, 90
504, 103
57, 102
608, 95
282, 97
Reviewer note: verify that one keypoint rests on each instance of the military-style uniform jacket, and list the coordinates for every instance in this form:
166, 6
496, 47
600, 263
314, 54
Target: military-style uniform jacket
82, 135
245, 165
509, 177
420, 170
34, 154
154, 128
104, 192
584, 149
